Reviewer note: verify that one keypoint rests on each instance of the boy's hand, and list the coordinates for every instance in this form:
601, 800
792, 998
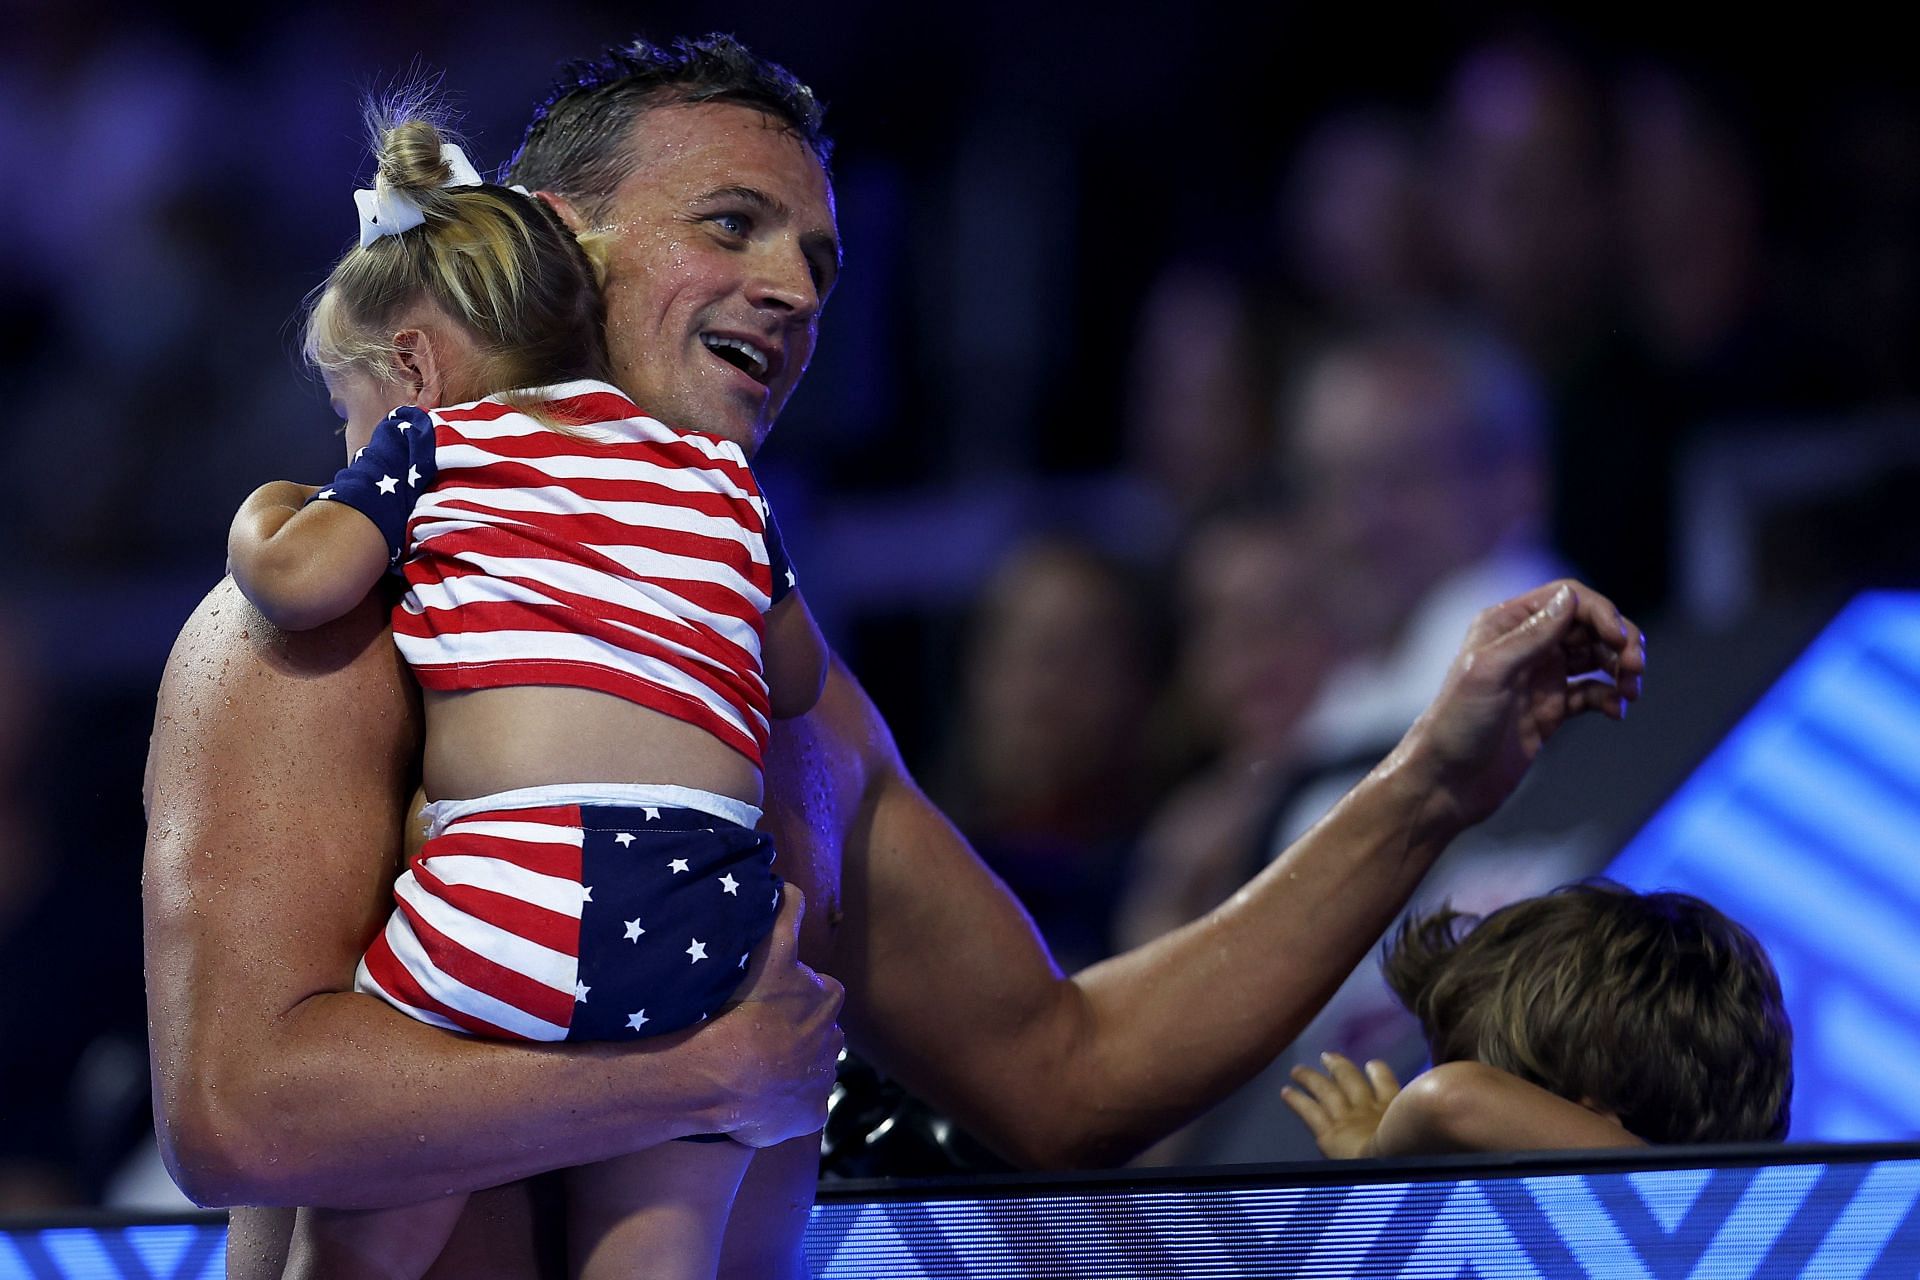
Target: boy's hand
1342, 1107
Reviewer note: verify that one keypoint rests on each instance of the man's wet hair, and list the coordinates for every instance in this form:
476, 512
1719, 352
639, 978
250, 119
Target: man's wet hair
578, 143
1655, 1007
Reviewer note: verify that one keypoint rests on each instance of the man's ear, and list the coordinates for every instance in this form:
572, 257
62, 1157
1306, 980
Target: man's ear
569, 213
419, 366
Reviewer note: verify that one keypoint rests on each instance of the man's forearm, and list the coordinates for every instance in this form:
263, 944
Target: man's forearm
1175, 1025
350, 1104
959, 998
963, 1004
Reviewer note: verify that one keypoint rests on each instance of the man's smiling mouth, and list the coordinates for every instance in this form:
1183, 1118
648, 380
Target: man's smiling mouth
741, 354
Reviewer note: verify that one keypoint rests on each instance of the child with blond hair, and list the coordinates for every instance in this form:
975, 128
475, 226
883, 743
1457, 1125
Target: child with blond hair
600, 614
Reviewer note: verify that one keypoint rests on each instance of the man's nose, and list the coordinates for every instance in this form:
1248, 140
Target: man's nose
784, 282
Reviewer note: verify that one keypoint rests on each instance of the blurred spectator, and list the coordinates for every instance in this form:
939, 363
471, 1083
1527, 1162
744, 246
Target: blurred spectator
1253, 645
37, 1164
22, 858
1520, 196
1198, 384
1419, 446
1690, 220
1421, 449
1855, 270
1353, 216
1691, 343
1049, 772
73, 1075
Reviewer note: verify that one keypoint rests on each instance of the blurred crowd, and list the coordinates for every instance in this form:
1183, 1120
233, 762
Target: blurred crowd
1236, 432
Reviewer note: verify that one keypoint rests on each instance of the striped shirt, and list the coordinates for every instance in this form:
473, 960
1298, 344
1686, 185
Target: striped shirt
621, 555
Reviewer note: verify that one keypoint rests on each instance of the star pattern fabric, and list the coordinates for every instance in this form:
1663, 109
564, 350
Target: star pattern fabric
495, 941
777, 559
370, 484
662, 912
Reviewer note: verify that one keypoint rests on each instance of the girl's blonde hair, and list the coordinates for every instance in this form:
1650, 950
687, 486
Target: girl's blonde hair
501, 264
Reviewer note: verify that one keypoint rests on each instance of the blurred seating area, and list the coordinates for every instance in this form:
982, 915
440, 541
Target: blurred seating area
1188, 389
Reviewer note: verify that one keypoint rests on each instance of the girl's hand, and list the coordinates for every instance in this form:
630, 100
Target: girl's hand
1342, 1107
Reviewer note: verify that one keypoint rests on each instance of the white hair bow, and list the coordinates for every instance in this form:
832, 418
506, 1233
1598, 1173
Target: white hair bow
386, 212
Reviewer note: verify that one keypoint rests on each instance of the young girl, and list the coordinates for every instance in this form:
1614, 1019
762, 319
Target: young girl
602, 619
1592, 1016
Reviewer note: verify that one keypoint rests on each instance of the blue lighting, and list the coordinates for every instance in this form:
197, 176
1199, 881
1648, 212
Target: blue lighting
1734, 1222
1804, 825
1760, 1212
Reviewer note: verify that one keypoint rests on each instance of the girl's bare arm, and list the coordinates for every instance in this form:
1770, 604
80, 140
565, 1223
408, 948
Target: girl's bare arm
303, 563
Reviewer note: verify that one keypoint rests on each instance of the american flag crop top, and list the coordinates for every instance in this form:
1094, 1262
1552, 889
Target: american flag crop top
622, 555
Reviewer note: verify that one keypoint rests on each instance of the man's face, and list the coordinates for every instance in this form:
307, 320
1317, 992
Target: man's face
723, 251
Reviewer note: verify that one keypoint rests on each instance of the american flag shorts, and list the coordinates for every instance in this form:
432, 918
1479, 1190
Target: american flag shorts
576, 913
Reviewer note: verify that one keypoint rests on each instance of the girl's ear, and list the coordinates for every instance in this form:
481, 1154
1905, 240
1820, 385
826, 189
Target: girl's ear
419, 366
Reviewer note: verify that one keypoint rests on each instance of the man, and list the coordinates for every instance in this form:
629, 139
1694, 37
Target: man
281, 768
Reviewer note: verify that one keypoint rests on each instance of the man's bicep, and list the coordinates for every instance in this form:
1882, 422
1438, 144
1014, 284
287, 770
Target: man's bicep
960, 999
278, 770
281, 766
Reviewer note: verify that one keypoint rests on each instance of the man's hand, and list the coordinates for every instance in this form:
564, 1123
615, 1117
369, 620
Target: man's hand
785, 1019
1342, 1107
1526, 667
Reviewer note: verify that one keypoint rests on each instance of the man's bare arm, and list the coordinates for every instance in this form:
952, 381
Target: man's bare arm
278, 774
954, 993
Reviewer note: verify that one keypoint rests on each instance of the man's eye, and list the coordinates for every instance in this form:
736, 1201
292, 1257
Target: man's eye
734, 224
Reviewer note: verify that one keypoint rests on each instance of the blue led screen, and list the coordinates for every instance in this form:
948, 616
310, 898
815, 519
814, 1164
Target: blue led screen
1845, 1221
1839, 1220
1804, 825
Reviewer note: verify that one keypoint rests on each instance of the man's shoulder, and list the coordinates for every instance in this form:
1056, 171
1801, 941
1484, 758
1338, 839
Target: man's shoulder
227, 641
237, 688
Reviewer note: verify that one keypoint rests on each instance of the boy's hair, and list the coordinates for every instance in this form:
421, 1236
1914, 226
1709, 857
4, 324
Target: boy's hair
501, 264
578, 142
1655, 1007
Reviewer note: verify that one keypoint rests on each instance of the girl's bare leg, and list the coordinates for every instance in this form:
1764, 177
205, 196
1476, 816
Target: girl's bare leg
371, 1244
659, 1213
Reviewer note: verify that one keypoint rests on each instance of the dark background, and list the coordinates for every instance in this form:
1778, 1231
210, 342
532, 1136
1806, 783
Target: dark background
1013, 180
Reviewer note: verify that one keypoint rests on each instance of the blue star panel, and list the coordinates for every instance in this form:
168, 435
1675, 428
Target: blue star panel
1804, 825
1827, 1212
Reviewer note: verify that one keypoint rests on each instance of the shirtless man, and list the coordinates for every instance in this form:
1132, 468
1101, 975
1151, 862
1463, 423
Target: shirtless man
282, 767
